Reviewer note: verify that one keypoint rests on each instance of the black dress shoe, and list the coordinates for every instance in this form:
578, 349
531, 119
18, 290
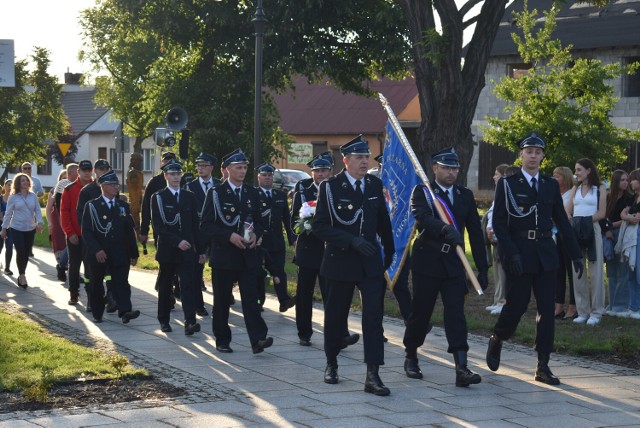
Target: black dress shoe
305, 342
202, 312
349, 340
8, 272
373, 384
189, 329
412, 369
285, 305
384, 338
128, 316
203, 287
261, 345
73, 301
493, 352
225, 349
97, 320
544, 375
22, 285
331, 374
165, 328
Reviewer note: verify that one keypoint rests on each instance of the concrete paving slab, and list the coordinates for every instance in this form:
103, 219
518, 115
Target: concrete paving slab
284, 385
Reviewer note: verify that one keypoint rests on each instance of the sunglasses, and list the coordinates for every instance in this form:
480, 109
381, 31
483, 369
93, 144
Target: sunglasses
26, 167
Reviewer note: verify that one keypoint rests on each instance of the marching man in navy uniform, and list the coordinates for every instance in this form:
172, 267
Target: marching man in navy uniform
436, 268
527, 205
108, 231
309, 252
174, 214
274, 209
231, 222
350, 216
200, 186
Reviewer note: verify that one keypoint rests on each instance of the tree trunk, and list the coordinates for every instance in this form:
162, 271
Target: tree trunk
447, 91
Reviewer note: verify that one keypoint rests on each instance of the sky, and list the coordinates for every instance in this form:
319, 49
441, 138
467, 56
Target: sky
50, 24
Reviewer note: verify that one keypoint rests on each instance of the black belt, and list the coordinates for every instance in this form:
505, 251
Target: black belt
534, 234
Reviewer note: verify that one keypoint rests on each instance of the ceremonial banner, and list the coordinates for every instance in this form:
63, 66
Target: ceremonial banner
399, 178
417, 169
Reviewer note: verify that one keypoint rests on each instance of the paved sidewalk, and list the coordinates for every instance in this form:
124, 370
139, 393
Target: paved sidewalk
283, 386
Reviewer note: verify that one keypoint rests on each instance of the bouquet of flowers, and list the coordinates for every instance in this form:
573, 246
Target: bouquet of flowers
303, 224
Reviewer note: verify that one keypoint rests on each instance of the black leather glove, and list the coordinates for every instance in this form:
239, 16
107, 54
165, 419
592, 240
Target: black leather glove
515, 264
363, 246
452, 236
578, 266
483, 280
388, 259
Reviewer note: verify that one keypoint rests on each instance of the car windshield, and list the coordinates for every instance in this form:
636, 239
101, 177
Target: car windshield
293, 176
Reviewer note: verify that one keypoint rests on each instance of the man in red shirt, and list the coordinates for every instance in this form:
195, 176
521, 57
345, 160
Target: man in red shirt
71, 226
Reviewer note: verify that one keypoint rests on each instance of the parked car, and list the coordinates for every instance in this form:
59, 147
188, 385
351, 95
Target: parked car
286, 179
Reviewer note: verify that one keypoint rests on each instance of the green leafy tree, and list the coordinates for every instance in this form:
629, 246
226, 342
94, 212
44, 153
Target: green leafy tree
566, 100
200, 55
31, 113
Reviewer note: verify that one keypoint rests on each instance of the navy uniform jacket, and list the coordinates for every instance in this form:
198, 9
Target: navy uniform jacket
275, 216
428, 257
309, 248
88, 193
156, 183
337, 205
198, 191
188, 228
225, 255
119, 242
513, 231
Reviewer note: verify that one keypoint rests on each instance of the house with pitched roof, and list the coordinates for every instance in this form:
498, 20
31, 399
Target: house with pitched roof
610, 34
320, 118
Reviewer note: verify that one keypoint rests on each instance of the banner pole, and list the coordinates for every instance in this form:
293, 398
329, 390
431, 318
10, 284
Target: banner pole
416, 164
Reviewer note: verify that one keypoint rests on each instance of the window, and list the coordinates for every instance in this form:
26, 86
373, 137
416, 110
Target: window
45, 168
102, 152
114, 159
517, 70
148, 159
631, 82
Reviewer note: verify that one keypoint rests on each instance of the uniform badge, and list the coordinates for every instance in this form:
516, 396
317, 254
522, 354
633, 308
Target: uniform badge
228, 217
104, 217
264, 204
521, 208
350, 206
233, 209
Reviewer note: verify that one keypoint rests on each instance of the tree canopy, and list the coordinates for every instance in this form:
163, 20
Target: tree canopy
200, 55
566, 100
31, 112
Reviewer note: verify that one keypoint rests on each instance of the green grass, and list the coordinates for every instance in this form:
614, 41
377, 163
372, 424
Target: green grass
30, 355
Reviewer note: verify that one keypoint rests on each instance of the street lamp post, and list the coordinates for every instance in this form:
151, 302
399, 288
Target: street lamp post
259, 23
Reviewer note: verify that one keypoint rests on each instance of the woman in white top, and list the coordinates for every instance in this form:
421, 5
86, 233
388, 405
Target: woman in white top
589, 199
24, 217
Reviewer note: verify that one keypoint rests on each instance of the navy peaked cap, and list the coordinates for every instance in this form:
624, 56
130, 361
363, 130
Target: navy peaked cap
357, 146
173, 166
266, 167
108, 178
532, 140
206, 157
236, 156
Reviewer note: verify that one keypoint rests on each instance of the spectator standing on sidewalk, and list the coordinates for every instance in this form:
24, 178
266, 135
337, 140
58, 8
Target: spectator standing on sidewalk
587, 205
24, 217
8, 242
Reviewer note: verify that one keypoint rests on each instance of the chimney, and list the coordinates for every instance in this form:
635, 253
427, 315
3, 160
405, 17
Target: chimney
72, 78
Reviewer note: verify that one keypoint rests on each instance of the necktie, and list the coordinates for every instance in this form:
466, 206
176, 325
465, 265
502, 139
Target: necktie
206, 186
238, 194
446, 192
111, 204
534, 187
359, 190
269, 196
177, 199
